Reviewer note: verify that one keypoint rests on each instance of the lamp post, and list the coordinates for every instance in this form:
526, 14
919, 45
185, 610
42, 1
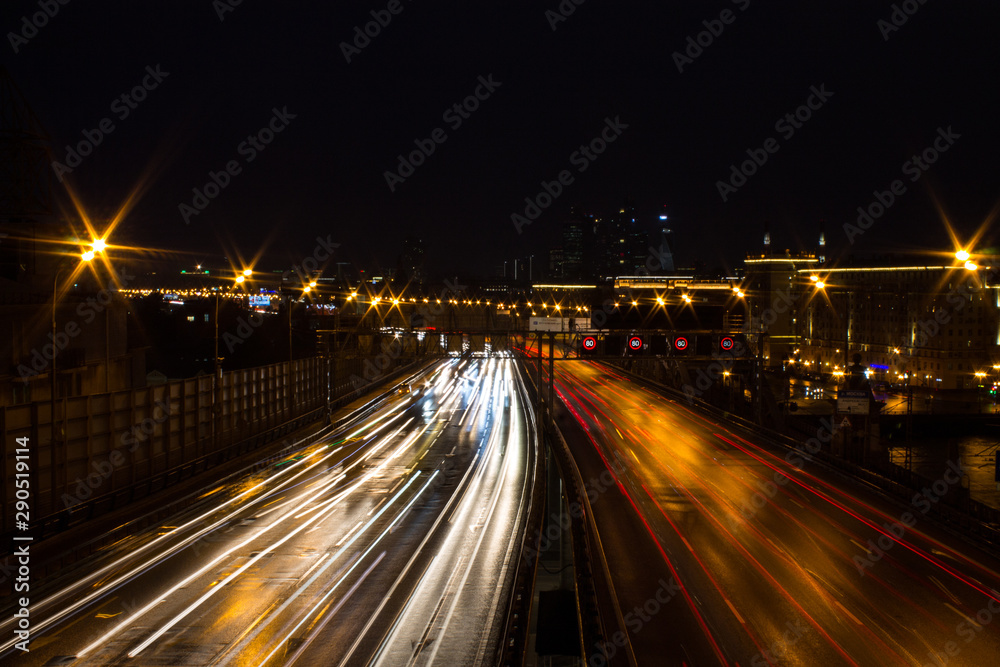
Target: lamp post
217, 365
96, 246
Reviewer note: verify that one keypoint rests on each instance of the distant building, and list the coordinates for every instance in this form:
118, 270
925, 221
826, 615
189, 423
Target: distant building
573, 234
773, 288
410, 267
936, 326
556, 262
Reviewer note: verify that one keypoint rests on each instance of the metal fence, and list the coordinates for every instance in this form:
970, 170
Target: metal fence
107, 446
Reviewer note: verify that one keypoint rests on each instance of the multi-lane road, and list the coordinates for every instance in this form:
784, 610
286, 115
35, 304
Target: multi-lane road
391, 542
721, 551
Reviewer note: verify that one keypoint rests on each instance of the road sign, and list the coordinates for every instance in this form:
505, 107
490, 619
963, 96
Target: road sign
846, 423
635, 344
727, 344
681, 344
853, 401
550, 324
589, 343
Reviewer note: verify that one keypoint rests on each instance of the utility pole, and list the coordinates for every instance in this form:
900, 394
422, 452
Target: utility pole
552, 374
216, 381
288, 388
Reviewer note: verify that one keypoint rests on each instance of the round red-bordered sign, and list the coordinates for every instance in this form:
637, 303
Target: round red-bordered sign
681, 343
727, 343
635, 343
589, 343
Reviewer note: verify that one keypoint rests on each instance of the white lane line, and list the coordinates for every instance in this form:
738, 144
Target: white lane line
340, 603
944, 590
972, 622
349, 533
860, 546
847, 611
735, 613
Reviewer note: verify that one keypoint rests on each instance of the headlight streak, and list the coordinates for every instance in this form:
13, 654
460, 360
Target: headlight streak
361, 558
278, 522
104, 638
445, 512
294, 470
466, 509
349, 539
63, 612
497, 492
333, 612
329, 505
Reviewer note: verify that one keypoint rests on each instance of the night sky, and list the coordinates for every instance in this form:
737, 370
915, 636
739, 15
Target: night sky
324, 173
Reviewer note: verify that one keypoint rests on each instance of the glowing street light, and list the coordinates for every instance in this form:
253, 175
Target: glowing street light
971, 266
820, 284
962, 255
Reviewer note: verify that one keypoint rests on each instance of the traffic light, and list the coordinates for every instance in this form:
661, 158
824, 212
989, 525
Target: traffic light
588, 345
680, 345
636, 344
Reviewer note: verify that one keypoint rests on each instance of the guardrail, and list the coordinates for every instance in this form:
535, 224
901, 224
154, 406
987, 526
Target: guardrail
583, 532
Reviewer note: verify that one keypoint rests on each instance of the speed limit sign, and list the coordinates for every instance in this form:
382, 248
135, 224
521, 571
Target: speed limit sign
589, 343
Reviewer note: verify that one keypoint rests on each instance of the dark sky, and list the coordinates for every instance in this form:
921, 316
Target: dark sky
324, 173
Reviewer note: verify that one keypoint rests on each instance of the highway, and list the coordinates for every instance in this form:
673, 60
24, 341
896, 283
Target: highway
721, 551
390, 542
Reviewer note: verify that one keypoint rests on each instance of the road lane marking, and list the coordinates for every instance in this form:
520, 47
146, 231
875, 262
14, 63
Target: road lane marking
944, 590
847, 611
860, 546
963, 616
735, 613
774, 545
